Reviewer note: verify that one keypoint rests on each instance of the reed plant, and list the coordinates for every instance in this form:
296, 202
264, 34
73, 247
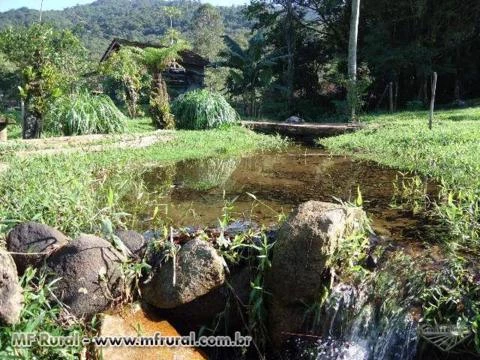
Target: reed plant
202, 109
83, 113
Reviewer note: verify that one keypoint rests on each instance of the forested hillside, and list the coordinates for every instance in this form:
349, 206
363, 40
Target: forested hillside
140, 20
290, 57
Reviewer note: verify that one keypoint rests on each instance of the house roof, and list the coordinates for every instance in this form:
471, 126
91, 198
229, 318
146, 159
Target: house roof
188, 57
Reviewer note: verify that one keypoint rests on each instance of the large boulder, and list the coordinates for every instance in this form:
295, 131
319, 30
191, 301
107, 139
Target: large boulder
228, 300
305, 244
90, 275
134, 241
11, 299
32, 243
199, 270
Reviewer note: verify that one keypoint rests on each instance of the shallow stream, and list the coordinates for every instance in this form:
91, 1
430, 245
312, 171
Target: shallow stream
261, 188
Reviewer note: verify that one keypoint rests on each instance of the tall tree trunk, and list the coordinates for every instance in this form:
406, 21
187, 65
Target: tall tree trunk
352, 57
395, 103
390, 96
290, 41
131, 98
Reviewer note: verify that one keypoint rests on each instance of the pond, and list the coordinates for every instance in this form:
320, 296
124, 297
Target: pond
264, 187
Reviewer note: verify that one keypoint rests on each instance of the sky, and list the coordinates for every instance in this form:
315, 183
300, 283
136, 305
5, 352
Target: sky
61, 4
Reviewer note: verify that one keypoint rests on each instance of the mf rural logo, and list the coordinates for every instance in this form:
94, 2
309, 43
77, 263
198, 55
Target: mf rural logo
445, 337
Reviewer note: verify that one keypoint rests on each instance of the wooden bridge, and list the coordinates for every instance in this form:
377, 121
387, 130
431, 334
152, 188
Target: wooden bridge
302, 131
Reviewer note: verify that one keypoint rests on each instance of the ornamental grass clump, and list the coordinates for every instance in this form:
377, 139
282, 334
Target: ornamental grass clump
202, 109
84, 113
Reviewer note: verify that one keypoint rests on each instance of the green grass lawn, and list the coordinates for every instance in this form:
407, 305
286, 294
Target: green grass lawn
449, 153
74, 192
451, 150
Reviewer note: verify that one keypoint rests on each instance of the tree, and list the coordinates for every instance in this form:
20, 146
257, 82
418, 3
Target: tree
126, 67
207, 30
51, 63
250, 69
280, 20
157, 60
352, 58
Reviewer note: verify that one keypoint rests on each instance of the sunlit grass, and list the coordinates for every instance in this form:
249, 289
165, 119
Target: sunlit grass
72, 192
449, 153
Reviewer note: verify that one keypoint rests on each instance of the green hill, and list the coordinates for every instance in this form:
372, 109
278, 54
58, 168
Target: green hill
139, 20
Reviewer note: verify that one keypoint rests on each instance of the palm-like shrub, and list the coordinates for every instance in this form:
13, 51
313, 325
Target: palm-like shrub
202, 109
84, 113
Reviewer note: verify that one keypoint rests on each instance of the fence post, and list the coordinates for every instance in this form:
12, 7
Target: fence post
432, 99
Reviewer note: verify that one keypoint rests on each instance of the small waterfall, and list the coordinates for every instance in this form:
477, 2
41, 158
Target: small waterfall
356, 330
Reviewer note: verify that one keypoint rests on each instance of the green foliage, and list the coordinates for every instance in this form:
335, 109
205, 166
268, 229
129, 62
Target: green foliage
83, 113
125, 66
41, 313
250, 70
202, 109
157, 59
51, 63
207, 29
97, 23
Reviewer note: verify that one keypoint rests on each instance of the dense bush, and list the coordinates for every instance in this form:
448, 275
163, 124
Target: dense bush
84, 113
202, 109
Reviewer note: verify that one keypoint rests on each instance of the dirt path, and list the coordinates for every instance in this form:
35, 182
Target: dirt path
91, 143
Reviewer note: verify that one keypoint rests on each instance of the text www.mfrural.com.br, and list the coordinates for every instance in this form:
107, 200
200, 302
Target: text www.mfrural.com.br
25, 339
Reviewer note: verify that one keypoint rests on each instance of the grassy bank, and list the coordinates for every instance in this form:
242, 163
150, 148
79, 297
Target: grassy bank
449, 153
74, 192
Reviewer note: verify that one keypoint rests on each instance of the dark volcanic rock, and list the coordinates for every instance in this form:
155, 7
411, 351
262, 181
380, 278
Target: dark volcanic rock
134, 241
231, 300
32, 237
90, 272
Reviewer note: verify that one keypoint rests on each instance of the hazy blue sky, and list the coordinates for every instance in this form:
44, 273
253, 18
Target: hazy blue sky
60, 4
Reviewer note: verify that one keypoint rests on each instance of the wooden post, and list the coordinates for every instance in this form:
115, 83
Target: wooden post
390, 93
395, 105
432, 99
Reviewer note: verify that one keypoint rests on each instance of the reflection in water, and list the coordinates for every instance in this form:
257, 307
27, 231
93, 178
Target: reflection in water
195, 192
205, 174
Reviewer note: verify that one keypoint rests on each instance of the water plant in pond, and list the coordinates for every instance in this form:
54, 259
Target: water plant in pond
410, 192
